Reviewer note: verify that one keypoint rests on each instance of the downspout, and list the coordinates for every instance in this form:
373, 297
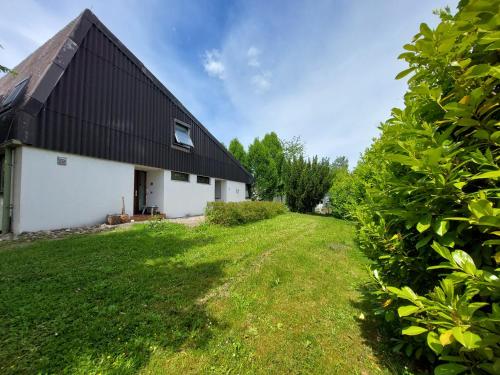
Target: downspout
7, 173
7, 183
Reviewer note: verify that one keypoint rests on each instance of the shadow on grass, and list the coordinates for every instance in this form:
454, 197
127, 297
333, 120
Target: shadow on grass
103, 303
375, 337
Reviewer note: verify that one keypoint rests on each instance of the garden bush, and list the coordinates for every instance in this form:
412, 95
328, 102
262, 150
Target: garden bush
235, 213
430, 216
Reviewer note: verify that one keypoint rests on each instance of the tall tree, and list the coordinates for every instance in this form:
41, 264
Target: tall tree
306, 183
264, 169
293, 148
340, 162
238, 151
274, 148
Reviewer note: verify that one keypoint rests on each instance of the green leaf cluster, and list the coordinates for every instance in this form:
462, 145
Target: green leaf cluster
265, 161
238, 151
345, 192
429, 191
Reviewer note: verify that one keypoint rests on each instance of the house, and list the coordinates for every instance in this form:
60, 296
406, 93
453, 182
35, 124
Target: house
84, 125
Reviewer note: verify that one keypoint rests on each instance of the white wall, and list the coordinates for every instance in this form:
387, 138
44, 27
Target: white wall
51, 196
187, 198
155, 193
191, 198
234, 191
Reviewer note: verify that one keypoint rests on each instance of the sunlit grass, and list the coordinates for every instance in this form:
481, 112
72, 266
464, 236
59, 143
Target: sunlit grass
276, 296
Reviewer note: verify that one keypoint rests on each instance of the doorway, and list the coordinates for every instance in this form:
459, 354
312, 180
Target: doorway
139, 191
218, 190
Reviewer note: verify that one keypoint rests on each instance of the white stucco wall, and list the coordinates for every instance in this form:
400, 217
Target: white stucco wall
187, 198
155, 193
234, 191
83, 192
191, 198
51, 196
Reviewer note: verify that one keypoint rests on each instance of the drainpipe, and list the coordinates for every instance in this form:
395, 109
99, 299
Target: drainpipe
7, 183
7, 164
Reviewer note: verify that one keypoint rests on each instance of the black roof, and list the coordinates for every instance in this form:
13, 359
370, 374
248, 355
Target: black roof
89, 94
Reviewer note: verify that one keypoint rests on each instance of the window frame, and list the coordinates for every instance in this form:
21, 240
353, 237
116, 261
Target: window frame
204, 183
177, 145
12, 102
173, 173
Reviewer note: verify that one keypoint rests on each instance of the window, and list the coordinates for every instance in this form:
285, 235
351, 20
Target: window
14, 93
203, 180
182, 136
178, 176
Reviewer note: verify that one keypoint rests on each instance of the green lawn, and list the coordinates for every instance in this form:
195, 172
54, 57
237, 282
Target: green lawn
277, 297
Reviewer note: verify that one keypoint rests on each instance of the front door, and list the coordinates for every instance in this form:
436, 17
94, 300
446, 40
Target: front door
139, 191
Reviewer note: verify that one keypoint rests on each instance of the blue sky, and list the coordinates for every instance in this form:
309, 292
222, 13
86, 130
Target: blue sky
321, 70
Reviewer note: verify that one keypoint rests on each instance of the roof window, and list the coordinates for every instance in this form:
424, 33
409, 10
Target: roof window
14, 93
182, 136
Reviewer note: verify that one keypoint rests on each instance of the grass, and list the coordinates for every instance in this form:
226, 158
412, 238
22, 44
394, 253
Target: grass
277, 296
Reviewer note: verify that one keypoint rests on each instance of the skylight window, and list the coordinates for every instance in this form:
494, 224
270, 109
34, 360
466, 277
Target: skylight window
14, 93
182, 136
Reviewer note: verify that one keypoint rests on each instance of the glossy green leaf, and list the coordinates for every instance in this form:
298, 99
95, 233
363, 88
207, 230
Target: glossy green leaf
468, 339
434, 343
441, 227
441, 250
492, 174
464, 261
450, 369
413, 330
407, 310
478, 71
424, 224
481, 207
404, 73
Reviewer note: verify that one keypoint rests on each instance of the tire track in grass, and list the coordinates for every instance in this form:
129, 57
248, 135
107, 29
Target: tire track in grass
223, 290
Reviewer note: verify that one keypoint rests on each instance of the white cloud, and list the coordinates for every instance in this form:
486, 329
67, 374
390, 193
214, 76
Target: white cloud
212, 62
329, 73
253, 54
261, 82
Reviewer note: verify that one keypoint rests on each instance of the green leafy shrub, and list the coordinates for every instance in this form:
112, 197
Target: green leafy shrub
235, 213
343, 194
430, 216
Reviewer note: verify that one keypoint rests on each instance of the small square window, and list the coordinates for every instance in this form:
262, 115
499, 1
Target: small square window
182, 136
203, 180
178, 176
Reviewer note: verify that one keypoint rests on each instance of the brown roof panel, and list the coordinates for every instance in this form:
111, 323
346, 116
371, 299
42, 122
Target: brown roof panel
36, 64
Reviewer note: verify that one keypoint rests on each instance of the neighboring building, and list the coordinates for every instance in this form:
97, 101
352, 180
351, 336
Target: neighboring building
324, 206
83, 123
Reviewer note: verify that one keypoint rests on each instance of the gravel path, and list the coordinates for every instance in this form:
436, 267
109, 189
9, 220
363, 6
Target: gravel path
191, 221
